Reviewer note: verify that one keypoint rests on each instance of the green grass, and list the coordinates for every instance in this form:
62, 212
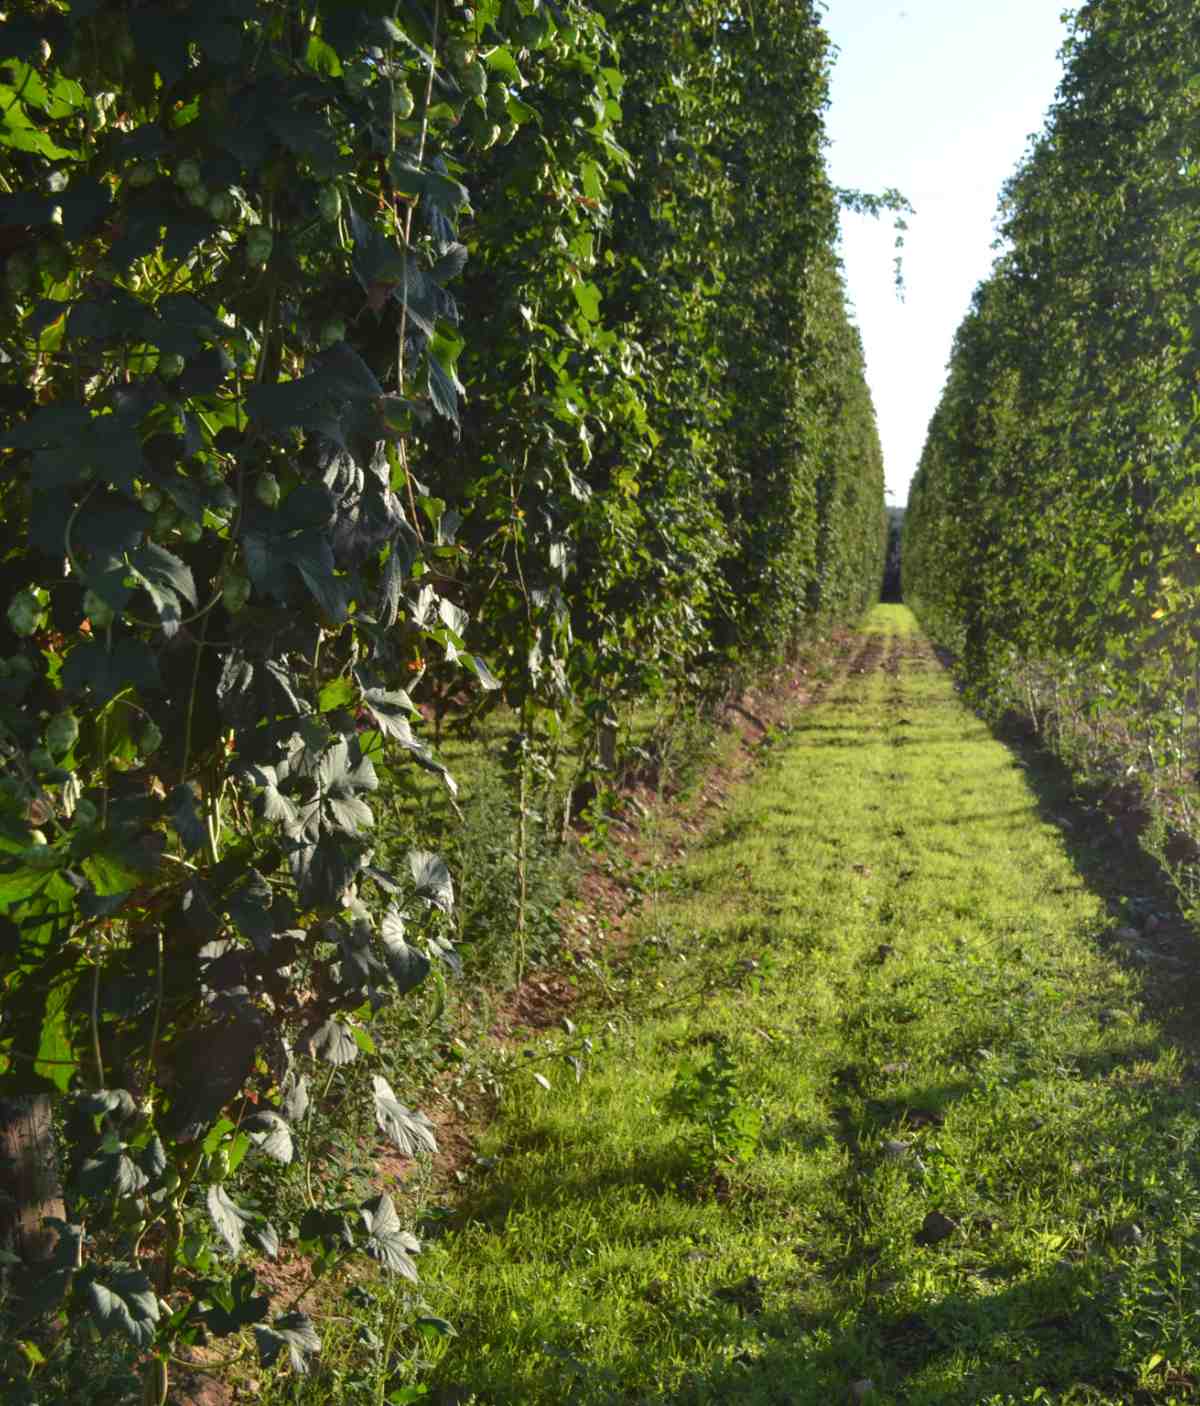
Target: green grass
881, 941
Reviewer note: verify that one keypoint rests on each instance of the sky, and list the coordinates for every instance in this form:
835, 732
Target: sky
936, 98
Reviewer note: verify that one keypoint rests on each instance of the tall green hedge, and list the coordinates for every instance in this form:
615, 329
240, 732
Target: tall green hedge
358, 360
1053, 527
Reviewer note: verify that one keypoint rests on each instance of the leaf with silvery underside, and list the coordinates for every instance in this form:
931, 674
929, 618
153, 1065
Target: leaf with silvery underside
385, 710
115, 1103
341, 773
450, 263
154, 1158
432, 878
228, 1217
408, 966
330, 1041
443, 949
387, 882
165, 578
265, 1237
387, 1242
390, 710
344, 768
411, 1131
91, 664
308, 744
294, 1332
358, 960
294, 1103
453, 617
270, 1134
273, 803
377, 259
487, 679
443, 193
124, 1302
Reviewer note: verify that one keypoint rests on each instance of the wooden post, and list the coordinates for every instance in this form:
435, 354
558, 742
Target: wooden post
29, 1184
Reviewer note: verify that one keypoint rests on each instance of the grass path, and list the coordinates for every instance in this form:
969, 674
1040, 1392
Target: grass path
974, 1165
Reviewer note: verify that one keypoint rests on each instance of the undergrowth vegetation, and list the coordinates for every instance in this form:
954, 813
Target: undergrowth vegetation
1052, 531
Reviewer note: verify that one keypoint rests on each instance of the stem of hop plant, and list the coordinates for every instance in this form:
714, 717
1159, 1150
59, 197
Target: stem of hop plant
523, 839
95, 1017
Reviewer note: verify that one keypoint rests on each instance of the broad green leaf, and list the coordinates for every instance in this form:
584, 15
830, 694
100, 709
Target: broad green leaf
293, 1333
124, 1302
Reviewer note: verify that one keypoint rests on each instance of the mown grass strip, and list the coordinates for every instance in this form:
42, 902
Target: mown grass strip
974, 1167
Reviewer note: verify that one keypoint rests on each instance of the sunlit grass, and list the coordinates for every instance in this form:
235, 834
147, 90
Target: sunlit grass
893, 947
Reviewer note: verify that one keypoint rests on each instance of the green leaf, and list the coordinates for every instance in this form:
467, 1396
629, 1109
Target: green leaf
520, 111
437, 1327
339, 693
444, 385
323, 58
125, 1302
587, 295
294, 1332
56, 1057
236, 1305
589, 174
19, 133
501, 61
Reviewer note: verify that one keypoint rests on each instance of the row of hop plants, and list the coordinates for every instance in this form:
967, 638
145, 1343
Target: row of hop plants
358, 363
1052, 536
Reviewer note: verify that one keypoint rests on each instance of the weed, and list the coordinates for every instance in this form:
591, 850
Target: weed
708, 1096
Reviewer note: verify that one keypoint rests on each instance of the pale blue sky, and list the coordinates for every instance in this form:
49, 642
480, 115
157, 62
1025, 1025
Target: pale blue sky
936, 97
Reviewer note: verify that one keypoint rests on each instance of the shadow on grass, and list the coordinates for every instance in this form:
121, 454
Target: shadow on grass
1055, 1329
1117, 869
